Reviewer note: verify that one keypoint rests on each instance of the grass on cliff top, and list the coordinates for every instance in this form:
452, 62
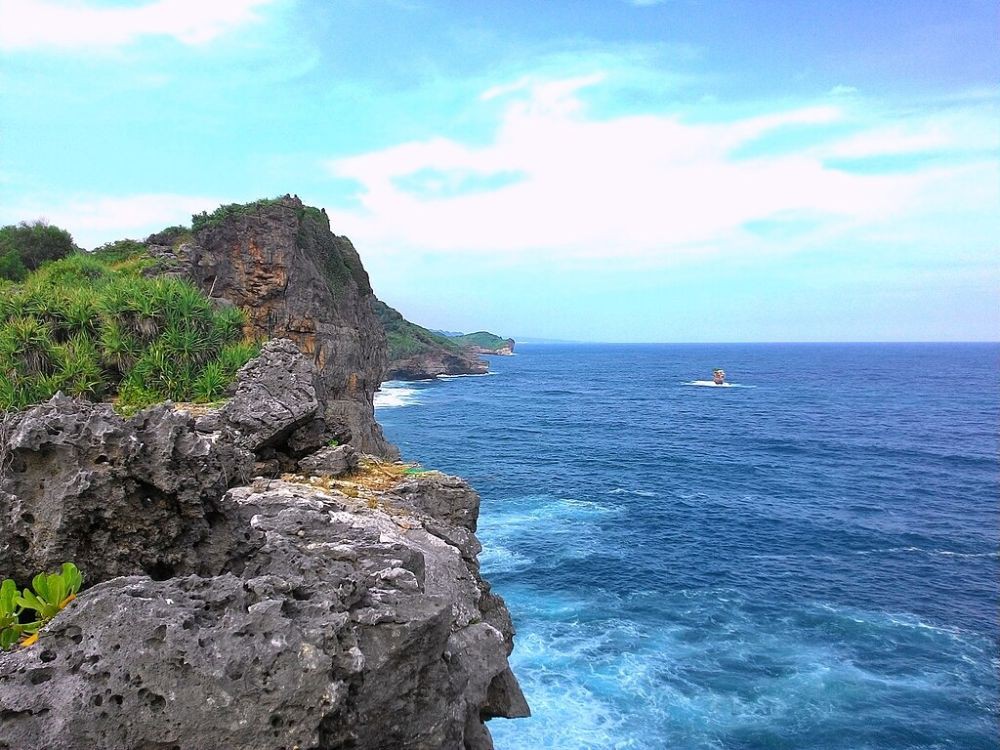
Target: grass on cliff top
93, 326
230, 210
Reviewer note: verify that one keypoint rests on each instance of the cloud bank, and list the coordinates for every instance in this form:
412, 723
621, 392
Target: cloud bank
558, 181
46, 24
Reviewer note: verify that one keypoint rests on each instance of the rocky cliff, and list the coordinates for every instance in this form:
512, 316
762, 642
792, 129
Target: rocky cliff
484, 342
245, 586
279, 261
416, 353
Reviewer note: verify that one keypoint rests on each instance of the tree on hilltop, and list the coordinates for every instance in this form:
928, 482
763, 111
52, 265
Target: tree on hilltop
25, 246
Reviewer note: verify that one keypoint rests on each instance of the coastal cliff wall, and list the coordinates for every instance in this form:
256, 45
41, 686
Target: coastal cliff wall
324, 609
278, 261
253, 579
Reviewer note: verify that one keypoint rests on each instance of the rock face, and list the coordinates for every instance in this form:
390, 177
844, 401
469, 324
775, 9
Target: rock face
279, 261
227, 612
80, 484
330, 462
433, 364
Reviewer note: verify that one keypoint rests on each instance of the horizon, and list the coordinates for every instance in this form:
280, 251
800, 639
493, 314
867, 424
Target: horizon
754, 173
528, 342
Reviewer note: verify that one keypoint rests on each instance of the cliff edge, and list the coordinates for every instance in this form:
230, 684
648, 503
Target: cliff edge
257, 573
279, 262
337, 606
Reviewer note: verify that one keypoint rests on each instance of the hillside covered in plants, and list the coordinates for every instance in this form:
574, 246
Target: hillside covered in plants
418, 353
101, 326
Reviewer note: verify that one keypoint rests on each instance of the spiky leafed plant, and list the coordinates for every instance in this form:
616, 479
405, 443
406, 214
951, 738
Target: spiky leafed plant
119, 349
79, 371
210, 385
28, 343
233, 356
229, 325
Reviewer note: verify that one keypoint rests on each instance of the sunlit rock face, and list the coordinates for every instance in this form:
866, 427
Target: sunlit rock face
280, 263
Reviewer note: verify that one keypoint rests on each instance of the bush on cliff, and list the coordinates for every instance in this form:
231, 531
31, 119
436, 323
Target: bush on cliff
91, 325
24, 247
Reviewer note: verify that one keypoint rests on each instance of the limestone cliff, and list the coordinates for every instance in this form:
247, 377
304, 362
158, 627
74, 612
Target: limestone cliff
484, 342
416, 353
226, 609
279, 261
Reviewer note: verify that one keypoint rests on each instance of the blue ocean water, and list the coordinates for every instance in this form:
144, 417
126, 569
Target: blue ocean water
810, 561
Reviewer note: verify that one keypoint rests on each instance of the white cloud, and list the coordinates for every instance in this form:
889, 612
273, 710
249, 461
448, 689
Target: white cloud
93, 220
41, 24
842, 90
651, 187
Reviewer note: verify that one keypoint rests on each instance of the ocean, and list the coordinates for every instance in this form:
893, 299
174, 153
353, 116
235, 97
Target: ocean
807, 560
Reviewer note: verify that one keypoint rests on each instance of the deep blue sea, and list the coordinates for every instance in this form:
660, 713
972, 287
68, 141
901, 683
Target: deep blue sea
809, 560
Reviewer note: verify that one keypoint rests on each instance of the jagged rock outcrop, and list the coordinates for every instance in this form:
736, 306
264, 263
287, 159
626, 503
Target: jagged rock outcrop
279, 261
80, 483
274, 613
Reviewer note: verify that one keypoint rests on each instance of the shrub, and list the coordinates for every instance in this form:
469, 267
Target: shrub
32, 244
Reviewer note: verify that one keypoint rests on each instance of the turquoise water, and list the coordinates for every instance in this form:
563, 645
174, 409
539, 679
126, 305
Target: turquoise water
809, 561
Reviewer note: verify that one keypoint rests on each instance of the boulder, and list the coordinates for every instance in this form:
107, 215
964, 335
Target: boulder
331, 461
275, 395
116, 496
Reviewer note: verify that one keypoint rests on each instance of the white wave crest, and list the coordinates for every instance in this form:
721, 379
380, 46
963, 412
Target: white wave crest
391, 396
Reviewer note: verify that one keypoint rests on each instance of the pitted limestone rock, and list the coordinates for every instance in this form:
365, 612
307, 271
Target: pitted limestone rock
347, 627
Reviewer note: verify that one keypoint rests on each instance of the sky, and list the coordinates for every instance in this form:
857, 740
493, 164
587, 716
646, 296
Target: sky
598, 170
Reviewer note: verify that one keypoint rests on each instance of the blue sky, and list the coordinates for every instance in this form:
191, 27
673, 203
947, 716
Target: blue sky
684, 170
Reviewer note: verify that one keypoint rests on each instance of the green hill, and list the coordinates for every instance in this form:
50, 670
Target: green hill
484, 342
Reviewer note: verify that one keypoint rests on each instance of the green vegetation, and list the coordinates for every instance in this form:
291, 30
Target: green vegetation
24, 613
406, 339
172, 236
24, 247
482, 339
222, 213
93, 326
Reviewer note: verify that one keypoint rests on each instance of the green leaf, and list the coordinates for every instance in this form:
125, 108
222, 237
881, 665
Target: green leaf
72, 577
40, 584
9, 636
8, 597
